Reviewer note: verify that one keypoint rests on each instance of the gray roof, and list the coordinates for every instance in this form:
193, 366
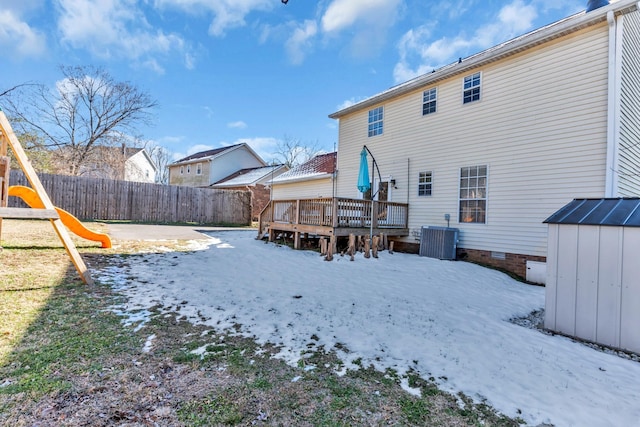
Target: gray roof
207, 153
611, 212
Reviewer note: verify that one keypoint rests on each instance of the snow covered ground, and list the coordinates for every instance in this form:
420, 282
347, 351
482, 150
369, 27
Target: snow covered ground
447, 320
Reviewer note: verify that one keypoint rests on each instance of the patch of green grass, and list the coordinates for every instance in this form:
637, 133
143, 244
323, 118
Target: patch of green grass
210, 411
186, 357
216, 348
190, 346
415, 410
71, 333
261, 383
477, 414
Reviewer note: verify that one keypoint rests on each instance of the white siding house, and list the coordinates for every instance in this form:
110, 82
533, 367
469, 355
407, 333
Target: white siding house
504, 138
140, 167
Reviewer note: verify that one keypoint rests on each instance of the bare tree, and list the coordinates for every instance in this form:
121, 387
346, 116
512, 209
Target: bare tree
292, 151
87, 110
161, 158
7, 92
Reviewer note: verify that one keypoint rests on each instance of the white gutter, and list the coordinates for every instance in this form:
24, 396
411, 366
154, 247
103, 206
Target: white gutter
616, 27
301, 178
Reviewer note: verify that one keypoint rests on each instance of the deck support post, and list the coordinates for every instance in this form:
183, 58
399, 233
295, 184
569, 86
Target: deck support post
296, 240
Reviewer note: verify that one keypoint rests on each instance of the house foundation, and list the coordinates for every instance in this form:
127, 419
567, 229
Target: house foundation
512, 263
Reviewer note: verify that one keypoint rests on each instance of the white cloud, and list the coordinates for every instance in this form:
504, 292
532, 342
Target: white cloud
117, 29
419, 55
367, 21
237, 125
263, 146
299, 43
227, 14
348, 103
342, 14
18, 37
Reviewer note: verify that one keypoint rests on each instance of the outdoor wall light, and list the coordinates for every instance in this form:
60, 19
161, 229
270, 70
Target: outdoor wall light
393, 183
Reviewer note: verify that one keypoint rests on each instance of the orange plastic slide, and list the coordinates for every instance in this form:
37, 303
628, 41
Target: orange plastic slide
30, 197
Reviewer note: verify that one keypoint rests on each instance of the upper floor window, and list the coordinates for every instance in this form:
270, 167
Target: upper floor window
429, 100
198, 168
181, 170
188, 169
425, 183
473, 194
471, 88
375, 121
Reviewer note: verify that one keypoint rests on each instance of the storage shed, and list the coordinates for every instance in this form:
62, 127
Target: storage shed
593, 272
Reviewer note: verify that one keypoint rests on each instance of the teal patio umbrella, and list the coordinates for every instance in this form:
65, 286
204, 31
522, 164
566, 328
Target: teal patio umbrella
363, 176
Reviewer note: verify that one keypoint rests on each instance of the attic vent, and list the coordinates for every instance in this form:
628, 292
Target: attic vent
439, 242
595, 4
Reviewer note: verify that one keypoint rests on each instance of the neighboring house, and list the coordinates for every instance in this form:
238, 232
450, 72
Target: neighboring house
208, 167
139, 166
504, 138
255, 180
312, 179
122, 163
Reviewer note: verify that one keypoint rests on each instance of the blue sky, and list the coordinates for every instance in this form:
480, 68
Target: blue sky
255, 71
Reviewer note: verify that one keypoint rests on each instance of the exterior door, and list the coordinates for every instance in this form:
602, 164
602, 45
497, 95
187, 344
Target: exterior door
384, 190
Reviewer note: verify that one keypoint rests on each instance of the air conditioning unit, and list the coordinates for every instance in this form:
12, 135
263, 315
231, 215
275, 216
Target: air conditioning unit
439, 242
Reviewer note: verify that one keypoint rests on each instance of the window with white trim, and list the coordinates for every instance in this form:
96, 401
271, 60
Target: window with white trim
429, 101
471, 88
473, 194
188, 169
425, 183
181, 170
375, 121
198, 168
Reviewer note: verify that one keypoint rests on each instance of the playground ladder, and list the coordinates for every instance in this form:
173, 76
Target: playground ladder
8, 139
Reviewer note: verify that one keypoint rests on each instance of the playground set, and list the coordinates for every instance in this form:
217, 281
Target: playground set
40, 205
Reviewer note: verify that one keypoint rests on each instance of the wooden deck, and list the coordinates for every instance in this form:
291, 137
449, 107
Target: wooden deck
333, 217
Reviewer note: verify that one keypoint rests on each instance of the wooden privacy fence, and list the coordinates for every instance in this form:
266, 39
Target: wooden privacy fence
106, 199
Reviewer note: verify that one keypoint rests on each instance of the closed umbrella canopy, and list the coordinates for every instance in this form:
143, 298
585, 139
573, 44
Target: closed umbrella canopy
363, 176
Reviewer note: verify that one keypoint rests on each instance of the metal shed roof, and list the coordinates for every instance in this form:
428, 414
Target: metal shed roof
611, 212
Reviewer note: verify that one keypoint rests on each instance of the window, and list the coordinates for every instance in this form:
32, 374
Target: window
473, 194
429, 100
471, 88
425, 184
181, 170
188, 169
198, 168
375, 121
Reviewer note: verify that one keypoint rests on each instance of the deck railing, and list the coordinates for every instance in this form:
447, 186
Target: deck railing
351, 213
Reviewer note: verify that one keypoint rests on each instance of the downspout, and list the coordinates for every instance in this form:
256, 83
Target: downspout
408, 180
613, 105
